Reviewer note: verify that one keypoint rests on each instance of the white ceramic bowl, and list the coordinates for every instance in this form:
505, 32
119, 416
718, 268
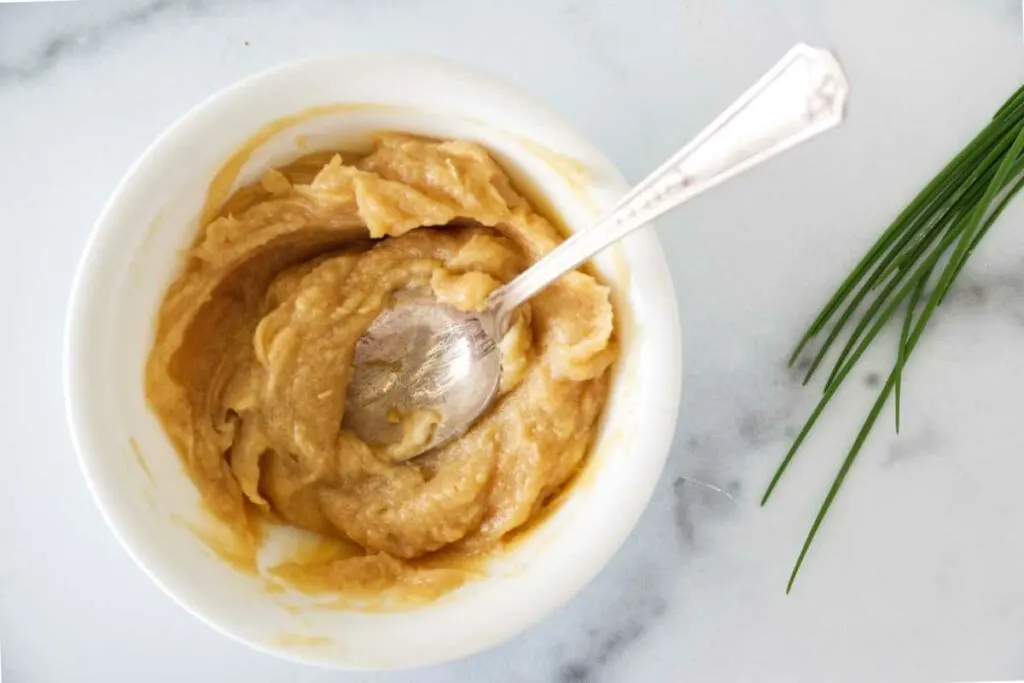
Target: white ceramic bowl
134, 253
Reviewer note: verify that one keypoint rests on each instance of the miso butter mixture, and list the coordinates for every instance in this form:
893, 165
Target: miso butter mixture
255, 341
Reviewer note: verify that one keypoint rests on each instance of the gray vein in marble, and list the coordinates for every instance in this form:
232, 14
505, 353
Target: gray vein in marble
710, 488
693, 495
85, 39
799, 369
925, 441
1001, 291
767, 419
980, 289
707, 481
696, 499
644, 606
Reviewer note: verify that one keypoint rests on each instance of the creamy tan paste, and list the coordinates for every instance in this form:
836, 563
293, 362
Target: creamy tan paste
255, 341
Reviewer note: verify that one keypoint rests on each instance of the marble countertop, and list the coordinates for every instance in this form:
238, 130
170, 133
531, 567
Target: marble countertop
917, 575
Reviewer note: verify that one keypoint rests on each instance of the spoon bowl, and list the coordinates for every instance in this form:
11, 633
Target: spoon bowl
423, 372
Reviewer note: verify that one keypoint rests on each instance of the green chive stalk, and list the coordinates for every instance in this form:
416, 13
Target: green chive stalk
917, 259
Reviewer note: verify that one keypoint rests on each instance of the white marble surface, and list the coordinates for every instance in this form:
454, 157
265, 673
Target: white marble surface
917, 575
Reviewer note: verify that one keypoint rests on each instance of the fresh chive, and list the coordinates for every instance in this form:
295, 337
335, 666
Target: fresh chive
901, 348
845, 370
945, 222
934, 193
1009, 195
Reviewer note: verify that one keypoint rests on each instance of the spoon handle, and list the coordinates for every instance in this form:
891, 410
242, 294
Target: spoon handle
803, 95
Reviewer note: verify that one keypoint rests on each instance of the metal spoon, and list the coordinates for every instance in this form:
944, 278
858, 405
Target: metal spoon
426, 363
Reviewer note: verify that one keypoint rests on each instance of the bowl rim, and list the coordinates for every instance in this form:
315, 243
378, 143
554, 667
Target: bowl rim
662, 425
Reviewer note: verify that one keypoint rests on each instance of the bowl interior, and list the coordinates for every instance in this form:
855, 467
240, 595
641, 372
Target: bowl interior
135, 251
